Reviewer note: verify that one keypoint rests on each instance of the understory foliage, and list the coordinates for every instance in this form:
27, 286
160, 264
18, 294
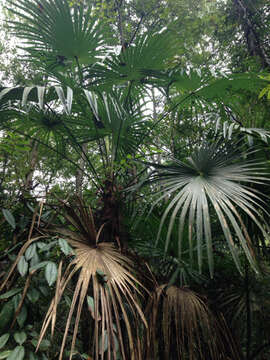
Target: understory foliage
133, 190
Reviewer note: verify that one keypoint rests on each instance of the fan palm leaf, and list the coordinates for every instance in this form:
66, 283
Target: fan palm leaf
139, 63
54, 29
125, 128
214, 178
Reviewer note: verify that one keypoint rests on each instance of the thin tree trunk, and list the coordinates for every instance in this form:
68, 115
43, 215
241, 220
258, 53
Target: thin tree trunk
119, 4
33, 162
252, 38
248, 309
155, 115
79, 173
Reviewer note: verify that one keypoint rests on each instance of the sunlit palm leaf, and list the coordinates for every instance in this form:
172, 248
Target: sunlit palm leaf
212, 179
55, 29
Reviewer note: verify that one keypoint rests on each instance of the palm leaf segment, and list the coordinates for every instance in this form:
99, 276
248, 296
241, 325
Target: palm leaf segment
212, 179
54, 28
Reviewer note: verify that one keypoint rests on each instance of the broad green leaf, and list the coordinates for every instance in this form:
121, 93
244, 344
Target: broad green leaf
91, 306
4, 354
33, 295
85, 356
35, 260
17, 353
16, 300
22, 266
104, 343
33, 356
44, 290
10, 293
44, 345
6, 314
51, 272
64, 246
9, 217
39, 265
48, 246
20, 337
22, 316
40, 244
3, 340
30, 252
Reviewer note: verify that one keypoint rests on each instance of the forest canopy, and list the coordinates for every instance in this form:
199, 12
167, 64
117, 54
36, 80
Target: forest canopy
134, 180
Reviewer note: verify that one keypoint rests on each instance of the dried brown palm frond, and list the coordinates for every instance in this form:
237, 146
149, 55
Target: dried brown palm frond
191, 319
81, 219
109, 274
188, 328
108, 277
102, 273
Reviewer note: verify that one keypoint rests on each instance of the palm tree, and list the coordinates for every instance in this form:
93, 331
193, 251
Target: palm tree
93, 102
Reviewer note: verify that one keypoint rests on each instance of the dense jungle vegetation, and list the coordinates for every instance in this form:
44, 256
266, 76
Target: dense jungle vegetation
134, 180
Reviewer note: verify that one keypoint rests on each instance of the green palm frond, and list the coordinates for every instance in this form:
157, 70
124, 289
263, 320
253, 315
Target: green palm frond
211, 95
229, 129
126, 128
139, 63
214, 179
224, 87
56, 30
45, 126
